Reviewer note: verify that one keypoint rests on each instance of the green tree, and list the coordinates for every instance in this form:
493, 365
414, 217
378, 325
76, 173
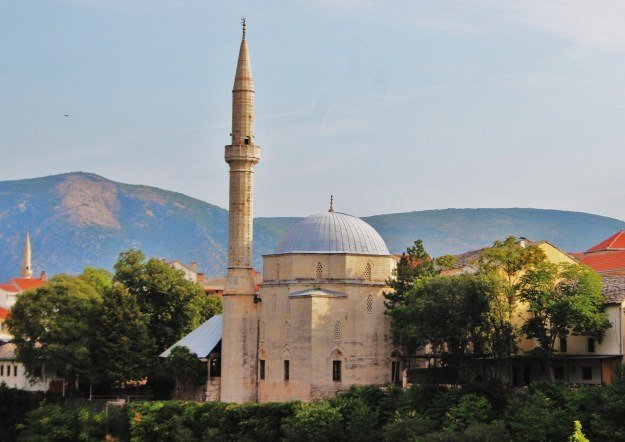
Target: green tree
99, 279
122, 349
578, 435
414, 264
562, 299
449, 314
173, 305
52, 326
186, 368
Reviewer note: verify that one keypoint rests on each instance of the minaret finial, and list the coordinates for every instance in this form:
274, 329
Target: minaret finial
331, 203
244, 25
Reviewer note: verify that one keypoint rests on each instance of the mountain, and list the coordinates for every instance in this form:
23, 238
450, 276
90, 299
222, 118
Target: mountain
81, 219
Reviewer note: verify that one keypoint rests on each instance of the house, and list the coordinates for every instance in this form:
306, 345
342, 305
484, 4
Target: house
607, 257
13, 373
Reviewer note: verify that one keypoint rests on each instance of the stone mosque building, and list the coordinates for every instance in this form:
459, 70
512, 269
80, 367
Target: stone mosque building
317, 323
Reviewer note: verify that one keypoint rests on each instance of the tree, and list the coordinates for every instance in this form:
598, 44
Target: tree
122, 348
451, 315
186, 368
414, 264
173, 305
562, 299
51, 327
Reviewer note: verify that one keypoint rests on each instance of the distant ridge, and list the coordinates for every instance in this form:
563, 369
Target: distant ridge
82, 219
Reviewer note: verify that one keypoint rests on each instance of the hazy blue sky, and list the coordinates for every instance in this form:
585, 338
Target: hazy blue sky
389, 105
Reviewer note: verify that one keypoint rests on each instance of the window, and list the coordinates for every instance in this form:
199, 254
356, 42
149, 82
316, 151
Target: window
563, 345
215, 367
591, 345
338, 331
368, 272
319, 272
336, 371
15, 370
587, 373
274, 302
395, 377
287, 370
262, 369
369, 304
247, 140
559, 373
1, 370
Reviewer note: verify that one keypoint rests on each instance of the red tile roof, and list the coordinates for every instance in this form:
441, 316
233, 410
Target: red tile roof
28, 283
615, 242
4, 313
9, 288
604, 262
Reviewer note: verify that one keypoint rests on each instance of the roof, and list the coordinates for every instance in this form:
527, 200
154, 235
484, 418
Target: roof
9, 288
605, 261
202, 340
613, 289
7, 352
332, 232
4, 313
615, 242
28, 283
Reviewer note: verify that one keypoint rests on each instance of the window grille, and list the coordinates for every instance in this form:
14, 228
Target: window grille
287, 332
368, 272
338, 331
319, 272
369, 304
274, 302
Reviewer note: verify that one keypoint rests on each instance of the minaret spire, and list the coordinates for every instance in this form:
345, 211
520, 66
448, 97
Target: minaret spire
27, 269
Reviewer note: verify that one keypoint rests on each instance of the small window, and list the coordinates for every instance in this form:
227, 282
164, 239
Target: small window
369, 304
262, 369
368, 272
274, 302
287, 371
247, 140
591, 345
395, 375
338, 331
587, 373
319, 271
559, 373
215, 367
15, 370
1, 370
336, 371
563, 345
287, 332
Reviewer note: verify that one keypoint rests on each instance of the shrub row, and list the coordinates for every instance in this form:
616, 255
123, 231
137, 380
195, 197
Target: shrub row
544, 412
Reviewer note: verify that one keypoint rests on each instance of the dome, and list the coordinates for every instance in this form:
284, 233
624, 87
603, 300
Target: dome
332, 232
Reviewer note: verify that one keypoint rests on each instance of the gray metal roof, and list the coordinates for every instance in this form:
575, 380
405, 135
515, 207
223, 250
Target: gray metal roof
332, 232
202, 340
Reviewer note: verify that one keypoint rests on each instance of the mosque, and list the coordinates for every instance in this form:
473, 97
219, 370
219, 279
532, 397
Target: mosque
317, 323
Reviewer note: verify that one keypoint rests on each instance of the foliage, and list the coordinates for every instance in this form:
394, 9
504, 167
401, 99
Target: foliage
535, 417
122, 349
577, 435
173, 305
452, 315
185, 367
408, 427
360, 422
562, 298
470, 409
14, 404
413, 265
99, 279
52, 324
446, 262
51, 423
317, 421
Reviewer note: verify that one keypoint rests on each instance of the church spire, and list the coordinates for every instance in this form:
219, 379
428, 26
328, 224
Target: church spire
27, 269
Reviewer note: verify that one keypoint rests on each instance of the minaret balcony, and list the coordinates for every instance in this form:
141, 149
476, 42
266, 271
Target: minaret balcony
242, 152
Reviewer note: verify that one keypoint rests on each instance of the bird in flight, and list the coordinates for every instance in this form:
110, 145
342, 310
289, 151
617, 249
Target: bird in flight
66, 115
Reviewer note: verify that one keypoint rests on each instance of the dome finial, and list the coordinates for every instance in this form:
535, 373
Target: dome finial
331, 203
243, 25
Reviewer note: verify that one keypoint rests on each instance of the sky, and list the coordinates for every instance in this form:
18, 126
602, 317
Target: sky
391, 106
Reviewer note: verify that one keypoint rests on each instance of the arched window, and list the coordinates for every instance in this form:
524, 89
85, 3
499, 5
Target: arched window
319, 271
368, 272
337, 332
369, 304
278, 271
287, 332
274, 302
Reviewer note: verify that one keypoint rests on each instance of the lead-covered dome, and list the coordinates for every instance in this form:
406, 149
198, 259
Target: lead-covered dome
332, 232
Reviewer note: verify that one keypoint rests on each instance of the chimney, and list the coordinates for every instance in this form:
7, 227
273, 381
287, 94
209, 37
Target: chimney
193, 266
523, 241
43, 276
200, 278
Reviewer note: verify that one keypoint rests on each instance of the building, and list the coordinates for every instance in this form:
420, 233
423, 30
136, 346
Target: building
10, 290
316, 325
13, 373
607, 257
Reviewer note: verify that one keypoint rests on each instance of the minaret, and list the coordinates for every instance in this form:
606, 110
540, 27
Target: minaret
27, 268
238, 381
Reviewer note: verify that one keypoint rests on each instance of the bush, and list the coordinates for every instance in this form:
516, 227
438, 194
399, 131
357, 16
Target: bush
51, 423
496, 431
534, 417
470, 409
14, 404
409, 427
360, 422
316, 421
